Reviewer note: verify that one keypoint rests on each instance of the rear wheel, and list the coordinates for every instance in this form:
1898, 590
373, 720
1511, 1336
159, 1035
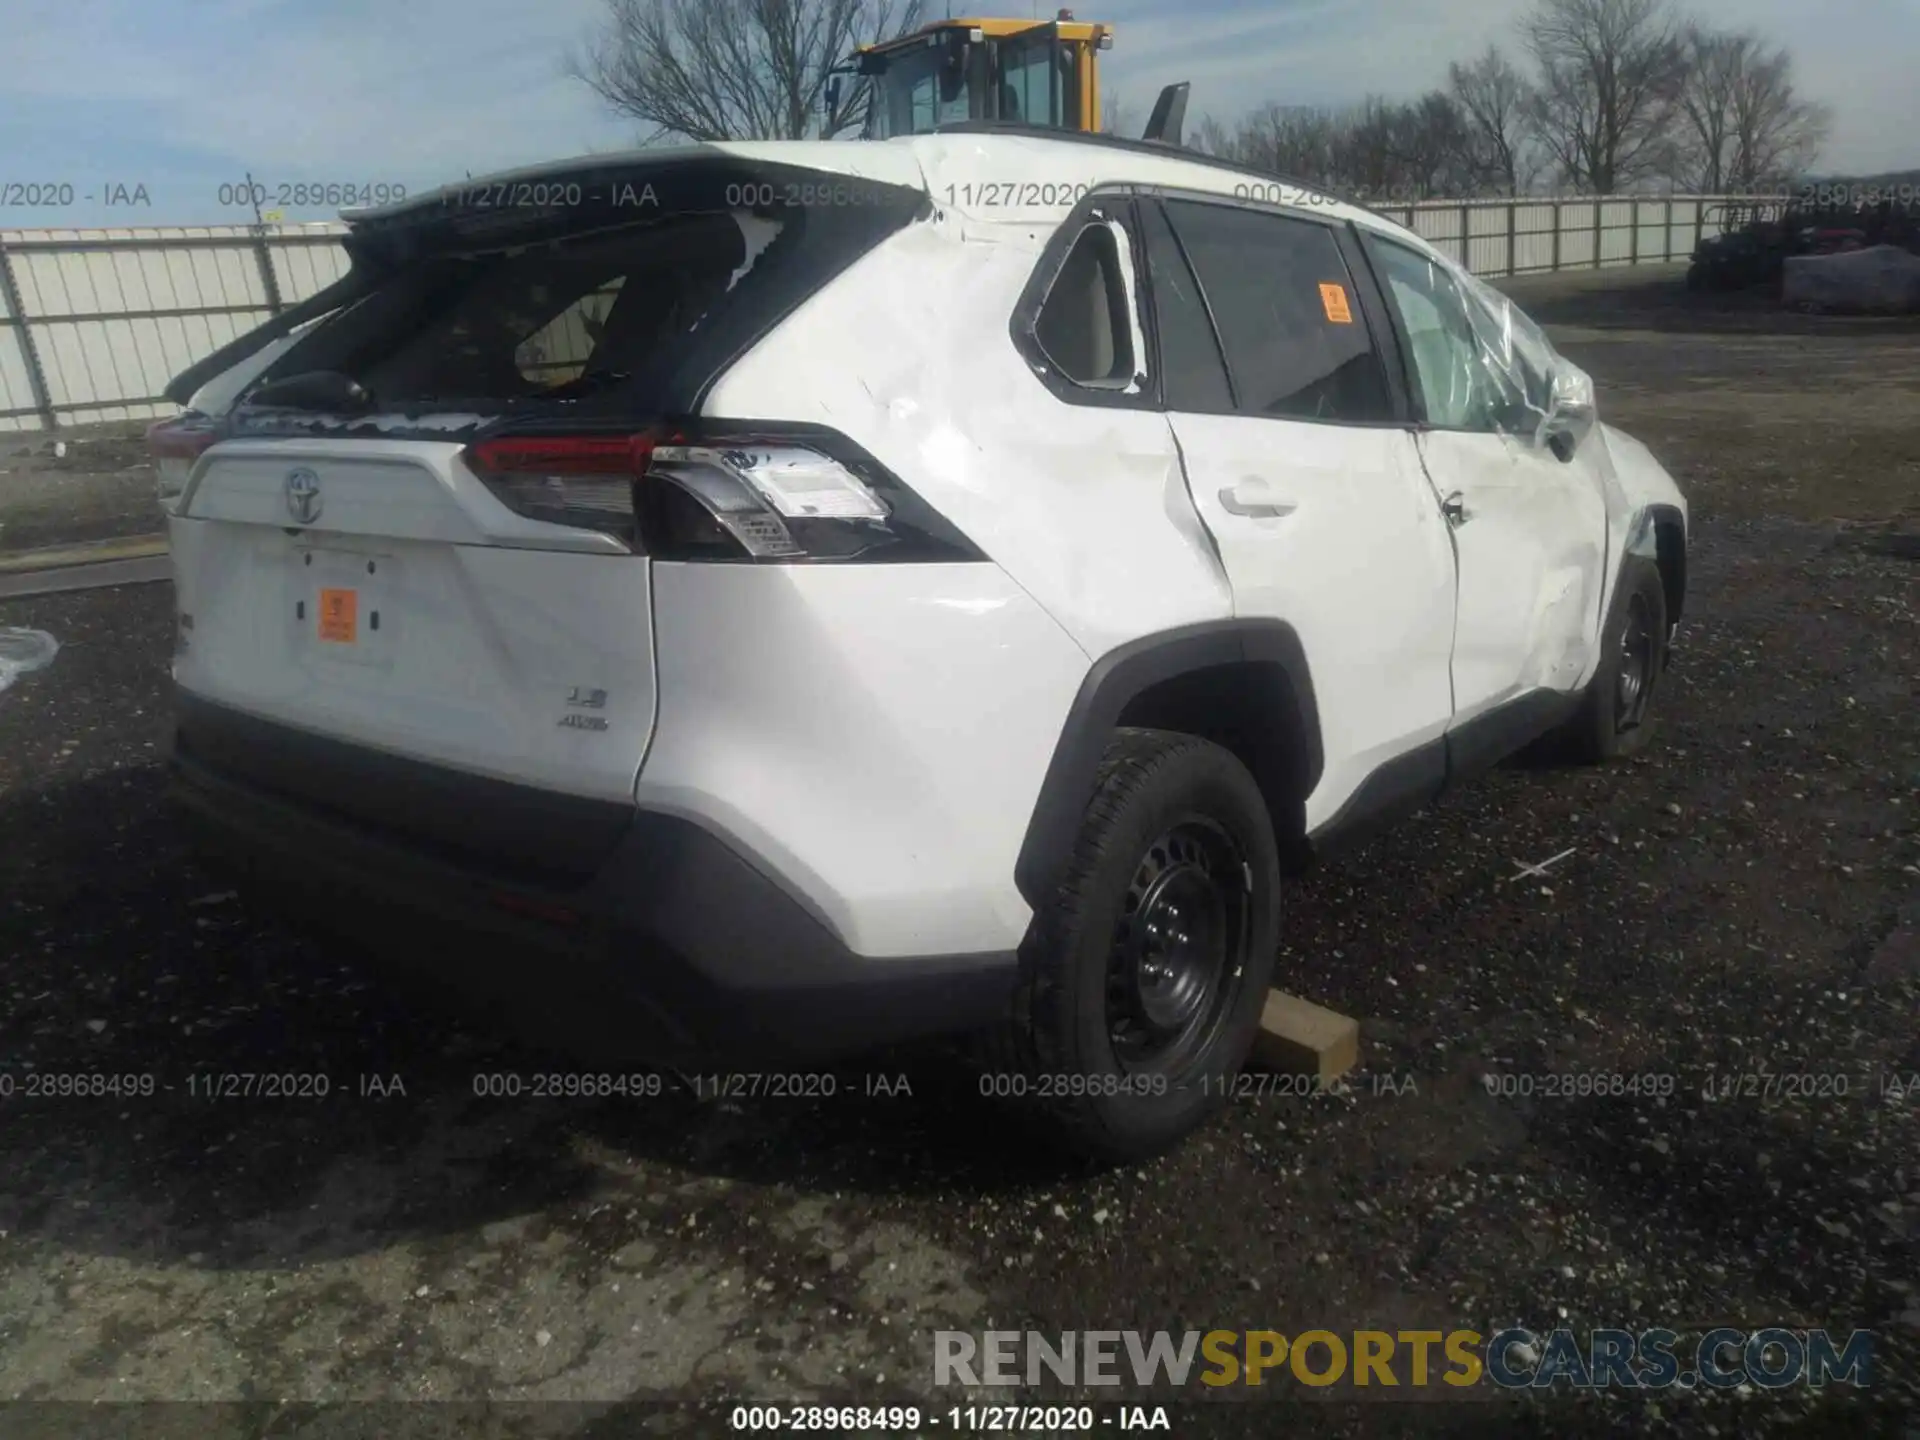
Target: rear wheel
1616, 714
1142, 981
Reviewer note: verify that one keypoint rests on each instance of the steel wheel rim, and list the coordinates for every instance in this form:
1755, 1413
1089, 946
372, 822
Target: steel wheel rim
1178, 949
1639, 655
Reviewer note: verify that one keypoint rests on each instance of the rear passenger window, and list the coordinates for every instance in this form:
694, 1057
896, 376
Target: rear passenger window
1085, 324
1191, 366
1279, 290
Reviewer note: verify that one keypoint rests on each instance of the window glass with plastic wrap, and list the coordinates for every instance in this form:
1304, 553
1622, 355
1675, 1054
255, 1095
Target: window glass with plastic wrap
1479, 362
1521, 359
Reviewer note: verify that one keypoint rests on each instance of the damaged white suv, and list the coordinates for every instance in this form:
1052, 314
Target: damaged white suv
742, 605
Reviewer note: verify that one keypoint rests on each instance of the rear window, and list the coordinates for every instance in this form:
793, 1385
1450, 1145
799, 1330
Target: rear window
492, 331
562, 349
632, 316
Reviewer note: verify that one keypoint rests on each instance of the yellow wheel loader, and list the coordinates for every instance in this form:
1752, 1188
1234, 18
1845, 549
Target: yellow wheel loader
1044, 73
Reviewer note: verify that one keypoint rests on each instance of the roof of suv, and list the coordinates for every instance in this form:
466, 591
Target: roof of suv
957, 161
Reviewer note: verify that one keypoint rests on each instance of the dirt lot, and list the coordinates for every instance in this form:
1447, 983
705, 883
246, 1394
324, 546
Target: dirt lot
1744, 900
75, 487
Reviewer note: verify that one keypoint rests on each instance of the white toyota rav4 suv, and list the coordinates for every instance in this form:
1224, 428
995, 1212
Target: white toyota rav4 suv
741, 605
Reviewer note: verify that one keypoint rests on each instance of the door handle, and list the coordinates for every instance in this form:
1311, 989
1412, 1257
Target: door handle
1454, 507
1253, 499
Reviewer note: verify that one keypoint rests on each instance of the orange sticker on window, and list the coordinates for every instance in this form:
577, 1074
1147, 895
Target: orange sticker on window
339, 615
1333, 298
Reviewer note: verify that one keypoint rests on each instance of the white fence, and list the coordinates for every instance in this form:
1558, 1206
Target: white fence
93, 323
1495, 238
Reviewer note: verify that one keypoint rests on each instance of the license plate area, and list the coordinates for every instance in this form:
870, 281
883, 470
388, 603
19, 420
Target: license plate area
341, 604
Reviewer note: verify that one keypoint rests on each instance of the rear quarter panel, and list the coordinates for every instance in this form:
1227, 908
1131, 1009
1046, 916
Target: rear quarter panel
945, 708
911, 353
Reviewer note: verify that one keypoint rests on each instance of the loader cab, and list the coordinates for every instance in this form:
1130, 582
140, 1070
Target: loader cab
1023, 72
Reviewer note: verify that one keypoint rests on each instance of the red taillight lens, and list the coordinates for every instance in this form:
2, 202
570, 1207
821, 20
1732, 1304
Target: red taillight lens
174, 445
719, 490
181, 438
562, 455
534, 908
585, 481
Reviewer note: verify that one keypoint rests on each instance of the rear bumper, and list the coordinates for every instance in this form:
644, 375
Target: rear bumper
669, 948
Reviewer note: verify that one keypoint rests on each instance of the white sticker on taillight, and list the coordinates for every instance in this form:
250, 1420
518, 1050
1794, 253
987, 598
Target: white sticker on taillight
793, 480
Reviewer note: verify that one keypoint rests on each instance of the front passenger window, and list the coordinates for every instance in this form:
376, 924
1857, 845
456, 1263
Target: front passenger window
1455, 388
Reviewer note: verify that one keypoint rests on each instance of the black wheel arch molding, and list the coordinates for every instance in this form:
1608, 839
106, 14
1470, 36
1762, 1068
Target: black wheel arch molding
1658, 533
1248, 681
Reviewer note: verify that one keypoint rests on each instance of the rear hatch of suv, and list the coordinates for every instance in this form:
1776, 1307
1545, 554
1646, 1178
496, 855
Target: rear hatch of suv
414, 533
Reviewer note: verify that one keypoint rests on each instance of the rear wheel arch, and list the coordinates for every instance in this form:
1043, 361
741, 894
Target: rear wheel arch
1242, 684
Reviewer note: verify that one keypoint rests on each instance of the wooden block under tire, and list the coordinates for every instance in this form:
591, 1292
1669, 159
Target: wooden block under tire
1301, 1038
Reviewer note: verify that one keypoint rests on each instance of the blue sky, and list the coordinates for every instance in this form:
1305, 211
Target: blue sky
183, 96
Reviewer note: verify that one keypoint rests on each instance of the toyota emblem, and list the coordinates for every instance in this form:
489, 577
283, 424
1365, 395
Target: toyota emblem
303, 495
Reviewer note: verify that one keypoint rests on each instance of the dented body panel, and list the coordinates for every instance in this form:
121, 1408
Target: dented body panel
875, 744
1087, 509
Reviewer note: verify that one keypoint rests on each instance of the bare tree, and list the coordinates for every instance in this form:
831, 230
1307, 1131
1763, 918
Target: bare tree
1376, 150
1493, 97
1776, 135
1608, 91
1365, 149
1299, 141
1116, 118
1706, 101
1745, 127
1431, 142
1210, 137
735, 69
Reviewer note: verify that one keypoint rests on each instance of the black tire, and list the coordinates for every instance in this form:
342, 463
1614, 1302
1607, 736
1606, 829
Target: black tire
1121, 1041
1616, 717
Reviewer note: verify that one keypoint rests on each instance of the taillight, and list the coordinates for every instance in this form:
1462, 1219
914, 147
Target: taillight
174, 445
581, 480
720, 490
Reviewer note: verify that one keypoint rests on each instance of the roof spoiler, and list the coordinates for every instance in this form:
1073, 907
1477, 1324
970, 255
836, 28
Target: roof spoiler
1169, 114
348, 287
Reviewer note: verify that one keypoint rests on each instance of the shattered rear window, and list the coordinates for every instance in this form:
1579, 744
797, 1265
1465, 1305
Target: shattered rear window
489, 332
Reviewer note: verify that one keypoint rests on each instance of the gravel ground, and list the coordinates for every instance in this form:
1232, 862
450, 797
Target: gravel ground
100, 488
1741, 901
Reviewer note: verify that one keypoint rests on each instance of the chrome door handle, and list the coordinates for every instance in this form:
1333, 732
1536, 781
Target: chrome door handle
1454, 507
1235, 503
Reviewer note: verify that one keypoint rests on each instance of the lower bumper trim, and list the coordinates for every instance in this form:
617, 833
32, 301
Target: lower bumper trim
676, 952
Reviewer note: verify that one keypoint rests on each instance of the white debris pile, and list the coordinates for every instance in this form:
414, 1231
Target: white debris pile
24, 650
1880, 280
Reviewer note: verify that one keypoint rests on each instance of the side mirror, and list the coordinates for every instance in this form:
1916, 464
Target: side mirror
1571, 410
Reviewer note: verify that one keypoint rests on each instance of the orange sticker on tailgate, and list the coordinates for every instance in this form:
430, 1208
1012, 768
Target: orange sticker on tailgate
1333, 298
339, 615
